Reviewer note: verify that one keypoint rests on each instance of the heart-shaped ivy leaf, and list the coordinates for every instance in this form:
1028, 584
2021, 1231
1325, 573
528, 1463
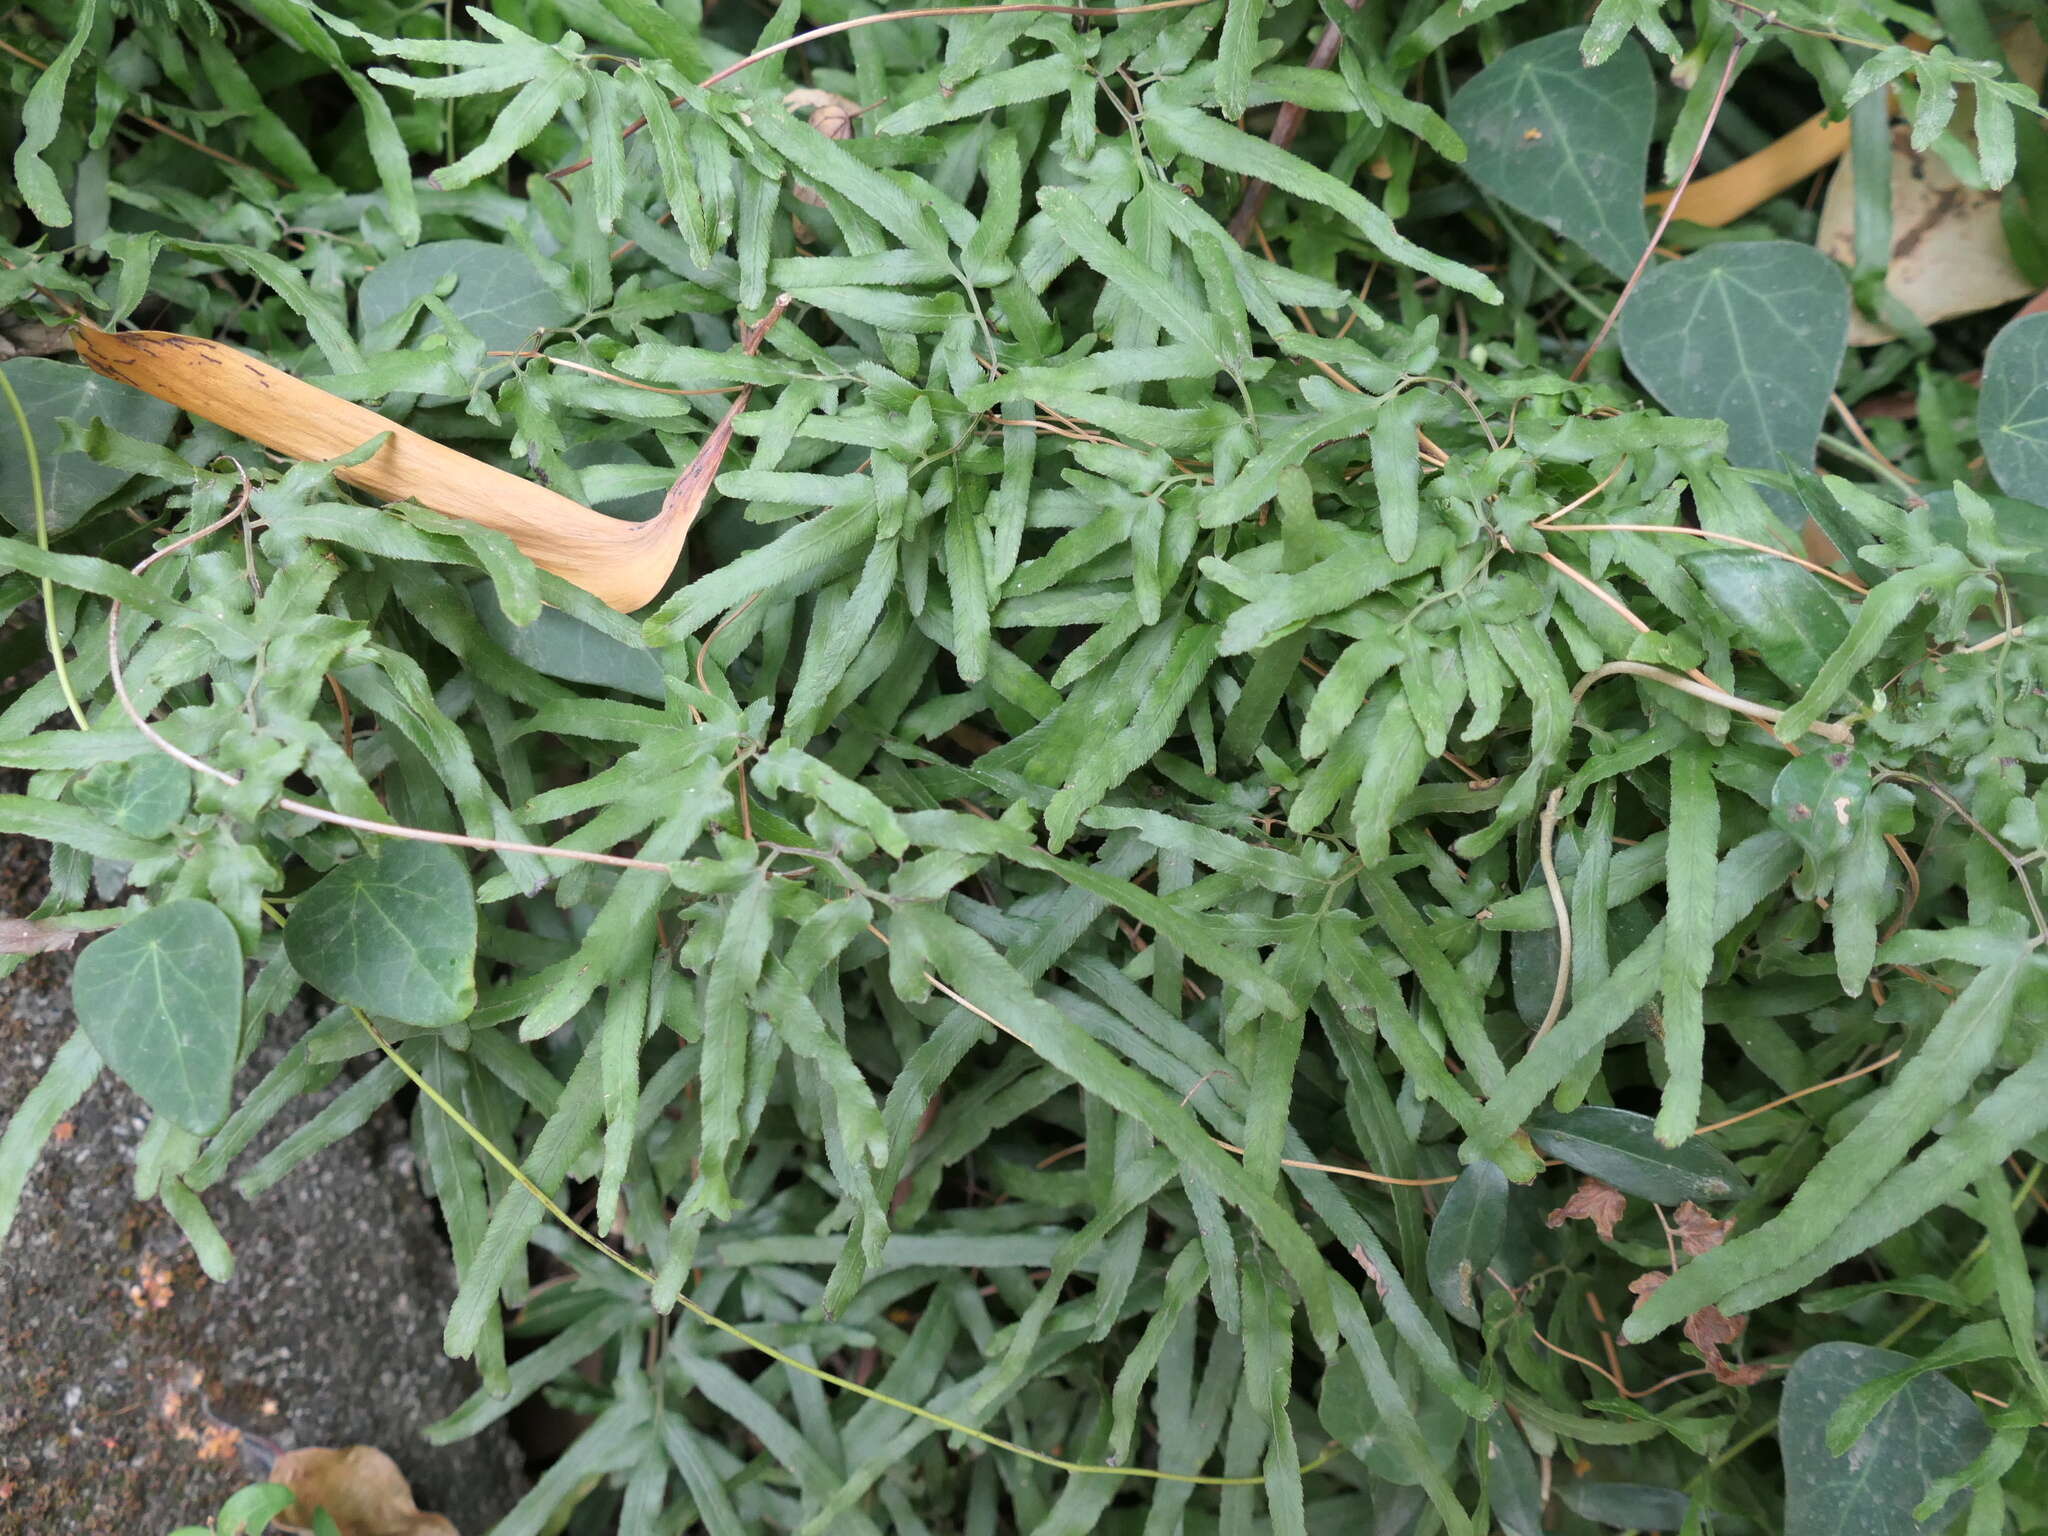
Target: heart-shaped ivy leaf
161, 1000
1751, 334
498, 294
2012, 410
1564, 143
1618, 1147
393, 933
1930, 1430
51, 393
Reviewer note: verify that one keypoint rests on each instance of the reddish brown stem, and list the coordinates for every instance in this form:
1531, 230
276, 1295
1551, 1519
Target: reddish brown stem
1285, 126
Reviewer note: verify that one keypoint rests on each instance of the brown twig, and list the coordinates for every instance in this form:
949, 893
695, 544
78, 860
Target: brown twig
1862, 440
1286, 124
1770, 18
1834, 1082
1348, 1173
1547, 526
618, 378
1709, 692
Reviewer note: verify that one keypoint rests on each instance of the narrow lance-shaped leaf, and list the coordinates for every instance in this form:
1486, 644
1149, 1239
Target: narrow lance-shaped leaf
42, 115
1202, 136
1690, 861
1932, 1081
1397, 471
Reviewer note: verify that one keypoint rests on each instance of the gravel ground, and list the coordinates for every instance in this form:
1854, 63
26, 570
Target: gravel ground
329, 1333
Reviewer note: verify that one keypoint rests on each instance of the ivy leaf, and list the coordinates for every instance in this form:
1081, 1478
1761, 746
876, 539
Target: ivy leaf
1564, 142
392, 933
1625, 1506
1751, 334
1619, 1148
2012, 410
161, 1000
51, 393
499, 294
1929, 1430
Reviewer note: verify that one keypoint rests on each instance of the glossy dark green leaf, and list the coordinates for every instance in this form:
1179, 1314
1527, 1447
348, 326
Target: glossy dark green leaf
1928, 1431
1749, 333
1348, 1414
51, 393
161, 1000
1563, 142
2012, 410
1618, 1147
1463, 1238
1625, 1506
1787, 615
497, 293
1514, 1487
392, 932
563, 646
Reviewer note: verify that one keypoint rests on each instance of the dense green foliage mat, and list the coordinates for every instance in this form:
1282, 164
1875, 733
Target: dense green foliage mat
1233, 892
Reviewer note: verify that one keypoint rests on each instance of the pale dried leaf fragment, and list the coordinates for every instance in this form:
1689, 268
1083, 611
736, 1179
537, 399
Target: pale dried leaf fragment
1645, 1286
623, 563
1594, 1201
1949, 254
26, 936
832, 115
361, 1489
152, 1290
1372, 1270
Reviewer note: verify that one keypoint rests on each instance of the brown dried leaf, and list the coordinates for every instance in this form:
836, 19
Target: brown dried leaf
1697, 1231
361, 1489
1949, 254
1644, 1286
623, 563
1710, 1328
831, 114
1601, 1204
26, 936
